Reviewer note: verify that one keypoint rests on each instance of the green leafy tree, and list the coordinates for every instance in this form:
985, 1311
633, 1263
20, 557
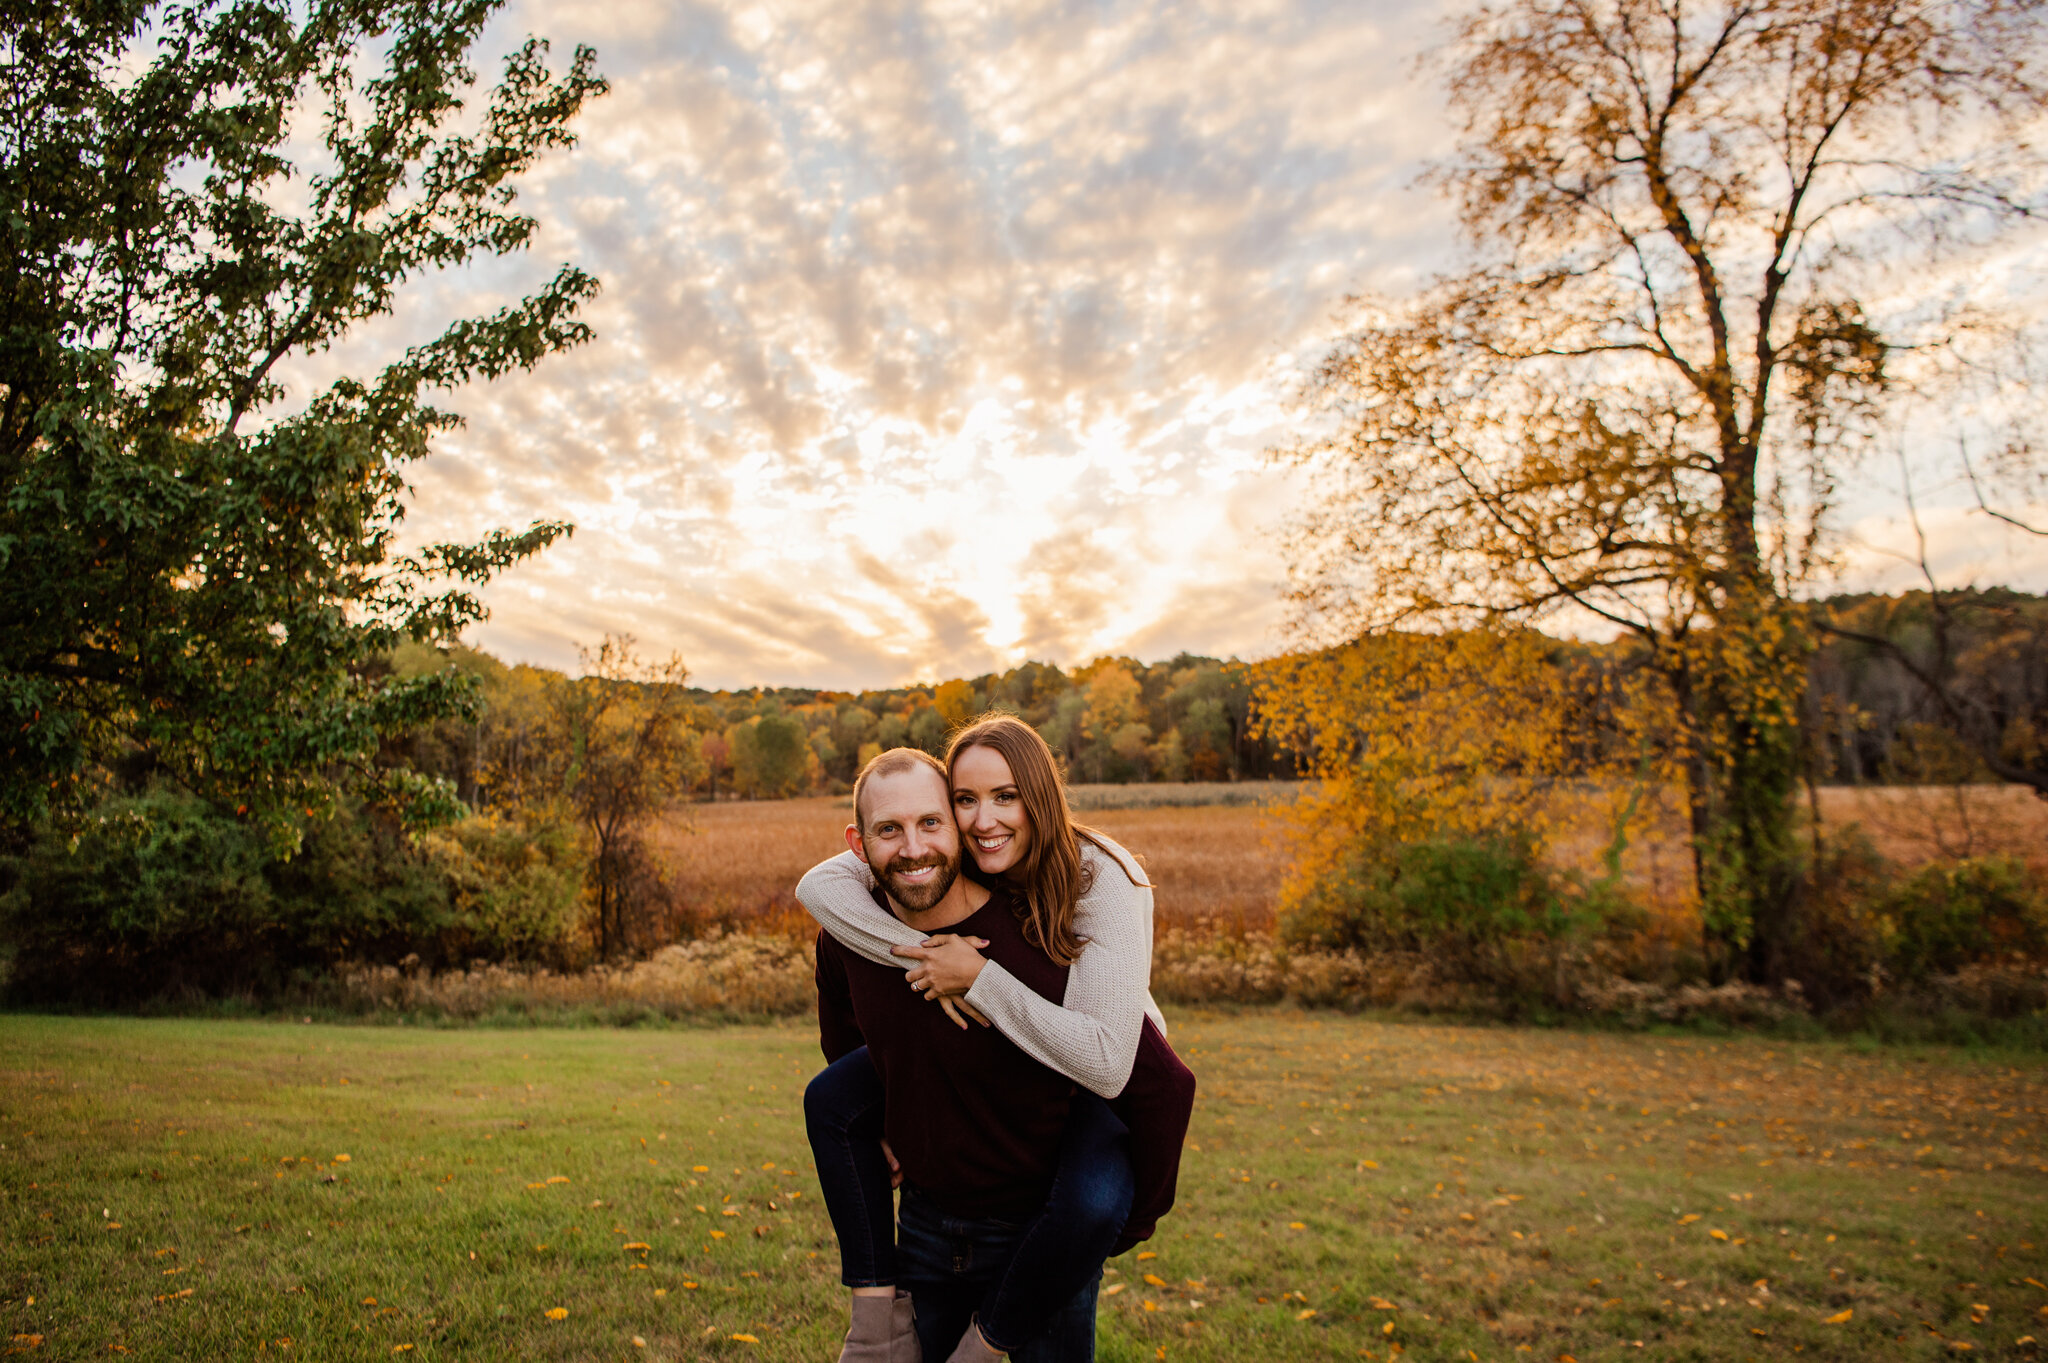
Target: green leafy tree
928, 731
771, 756
892, 731
197, 573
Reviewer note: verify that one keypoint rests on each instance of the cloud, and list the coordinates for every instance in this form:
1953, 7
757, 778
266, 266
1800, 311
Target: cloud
1962, 547
933, 336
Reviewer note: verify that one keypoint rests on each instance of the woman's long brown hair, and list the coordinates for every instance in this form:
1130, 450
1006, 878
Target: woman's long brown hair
1054, 878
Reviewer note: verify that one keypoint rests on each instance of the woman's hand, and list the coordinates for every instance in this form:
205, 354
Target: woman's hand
948, 965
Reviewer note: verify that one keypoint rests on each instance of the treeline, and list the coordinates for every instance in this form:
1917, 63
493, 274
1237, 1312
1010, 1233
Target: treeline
558, 784
1918, 689
1113, 720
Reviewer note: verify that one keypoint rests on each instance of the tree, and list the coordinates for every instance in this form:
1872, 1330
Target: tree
1632, 408
957, 702
1940, 686
629, 751
1114, 723
771, 756
928, 731
197, 573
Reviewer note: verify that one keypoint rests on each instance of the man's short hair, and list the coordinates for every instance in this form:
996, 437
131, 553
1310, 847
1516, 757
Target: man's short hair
891, 763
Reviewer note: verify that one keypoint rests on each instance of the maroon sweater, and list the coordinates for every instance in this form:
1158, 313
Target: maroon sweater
974, 1121
984, 1119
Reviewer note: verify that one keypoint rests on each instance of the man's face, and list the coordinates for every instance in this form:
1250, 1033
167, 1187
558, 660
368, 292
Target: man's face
911, 841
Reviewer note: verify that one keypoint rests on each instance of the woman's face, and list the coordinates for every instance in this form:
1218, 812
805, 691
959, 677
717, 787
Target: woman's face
990, 811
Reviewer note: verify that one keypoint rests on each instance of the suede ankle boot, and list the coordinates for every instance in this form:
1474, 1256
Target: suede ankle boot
882, 1332
974, 1349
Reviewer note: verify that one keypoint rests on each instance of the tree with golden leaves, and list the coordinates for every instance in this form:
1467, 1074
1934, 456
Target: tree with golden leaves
1709, 247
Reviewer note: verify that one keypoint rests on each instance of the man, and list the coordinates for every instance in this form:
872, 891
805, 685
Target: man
974, 1123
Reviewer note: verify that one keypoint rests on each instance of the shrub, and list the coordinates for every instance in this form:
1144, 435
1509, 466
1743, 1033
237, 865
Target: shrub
516, 885
1948, 915
1472, 902
1857, 925
1834, 945
162, 894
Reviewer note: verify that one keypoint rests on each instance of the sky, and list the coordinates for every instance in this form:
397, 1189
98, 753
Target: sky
939, 336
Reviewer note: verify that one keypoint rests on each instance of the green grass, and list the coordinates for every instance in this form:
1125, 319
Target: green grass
172, 1188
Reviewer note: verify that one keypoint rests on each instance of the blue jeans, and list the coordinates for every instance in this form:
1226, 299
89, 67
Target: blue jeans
1028, 1275
843, 1118
955, 1266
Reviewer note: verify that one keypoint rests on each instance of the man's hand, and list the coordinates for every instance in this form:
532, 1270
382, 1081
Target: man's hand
895, 1169
956, 1007
948, 964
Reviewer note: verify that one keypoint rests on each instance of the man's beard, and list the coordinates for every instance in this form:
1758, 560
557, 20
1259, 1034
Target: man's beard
919, 896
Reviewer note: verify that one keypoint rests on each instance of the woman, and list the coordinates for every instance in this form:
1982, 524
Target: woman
1087, 905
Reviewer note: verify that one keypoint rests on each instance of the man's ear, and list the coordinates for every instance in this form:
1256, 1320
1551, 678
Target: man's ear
854, 843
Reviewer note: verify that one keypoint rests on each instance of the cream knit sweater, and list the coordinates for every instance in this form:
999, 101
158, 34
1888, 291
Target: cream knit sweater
1093, 1037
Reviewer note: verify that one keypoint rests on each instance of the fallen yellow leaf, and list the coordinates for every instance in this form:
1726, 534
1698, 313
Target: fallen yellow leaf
1112, 1289
556, 1313
1155, 1280
1148, 1254
1841, 1317
1688, 1218
745, 1339
1305, 1315
1718, 1234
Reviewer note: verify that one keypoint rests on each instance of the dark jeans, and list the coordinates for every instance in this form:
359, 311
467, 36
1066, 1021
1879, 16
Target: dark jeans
1026, 1277
954, 1267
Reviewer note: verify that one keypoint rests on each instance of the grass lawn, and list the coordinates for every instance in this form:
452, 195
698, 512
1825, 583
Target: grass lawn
182, 1189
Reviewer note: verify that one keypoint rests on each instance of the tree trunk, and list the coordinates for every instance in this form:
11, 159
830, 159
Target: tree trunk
1750, 683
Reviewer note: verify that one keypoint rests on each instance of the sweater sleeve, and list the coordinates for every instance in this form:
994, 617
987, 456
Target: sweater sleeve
838, 893
1093, 1038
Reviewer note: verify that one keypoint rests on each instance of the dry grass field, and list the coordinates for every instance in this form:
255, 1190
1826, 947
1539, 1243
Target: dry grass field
739, 862
1913, 825
1220, 864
